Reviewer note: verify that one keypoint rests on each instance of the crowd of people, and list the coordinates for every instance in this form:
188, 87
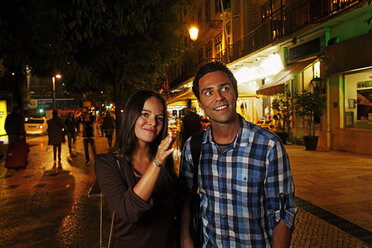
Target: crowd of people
62, 127
242, 171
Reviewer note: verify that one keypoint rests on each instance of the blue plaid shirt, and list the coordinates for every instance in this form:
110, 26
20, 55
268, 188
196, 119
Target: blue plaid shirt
240, 187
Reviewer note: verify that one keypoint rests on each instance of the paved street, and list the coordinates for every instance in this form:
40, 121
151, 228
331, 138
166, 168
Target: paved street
47, 206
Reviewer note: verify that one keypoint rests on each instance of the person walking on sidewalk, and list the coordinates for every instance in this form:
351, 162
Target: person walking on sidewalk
138, 178
14, 127
108, 127
88, 135
56, 135
244, 176
71, 128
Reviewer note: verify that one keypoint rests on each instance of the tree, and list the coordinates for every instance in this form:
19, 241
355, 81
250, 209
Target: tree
282, 105
309, 105
125, 43
29, 37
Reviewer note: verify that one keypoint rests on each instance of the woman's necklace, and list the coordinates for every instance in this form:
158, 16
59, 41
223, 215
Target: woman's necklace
136, 172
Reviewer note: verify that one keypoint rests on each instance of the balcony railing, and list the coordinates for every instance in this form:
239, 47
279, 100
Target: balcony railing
275, 27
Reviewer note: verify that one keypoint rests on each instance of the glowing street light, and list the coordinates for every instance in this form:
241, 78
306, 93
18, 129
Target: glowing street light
54, 89
193, 31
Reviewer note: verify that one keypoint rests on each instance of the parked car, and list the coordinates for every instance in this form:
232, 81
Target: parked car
36, 125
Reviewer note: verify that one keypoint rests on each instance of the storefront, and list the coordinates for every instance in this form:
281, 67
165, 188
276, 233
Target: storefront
348, 66
6, 106
292, 78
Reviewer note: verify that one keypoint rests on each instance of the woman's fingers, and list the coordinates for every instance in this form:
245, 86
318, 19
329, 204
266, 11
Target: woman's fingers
165, 149
166, 142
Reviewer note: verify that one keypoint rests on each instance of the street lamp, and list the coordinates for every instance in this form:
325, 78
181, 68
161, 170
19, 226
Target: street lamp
54, 89
193, 31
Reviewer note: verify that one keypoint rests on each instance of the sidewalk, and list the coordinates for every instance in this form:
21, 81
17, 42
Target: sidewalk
43, 206
337, 182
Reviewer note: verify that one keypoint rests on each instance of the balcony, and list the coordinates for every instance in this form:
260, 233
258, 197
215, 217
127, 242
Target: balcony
276, 26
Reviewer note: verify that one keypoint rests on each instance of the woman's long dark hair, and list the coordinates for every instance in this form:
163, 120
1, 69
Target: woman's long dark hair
127, 141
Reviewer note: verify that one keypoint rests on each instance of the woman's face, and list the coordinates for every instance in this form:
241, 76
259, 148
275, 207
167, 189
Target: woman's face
150, 122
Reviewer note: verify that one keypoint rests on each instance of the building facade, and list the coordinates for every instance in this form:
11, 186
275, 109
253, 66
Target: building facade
281, 46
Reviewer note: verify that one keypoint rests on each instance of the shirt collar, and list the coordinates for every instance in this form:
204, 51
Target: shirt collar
240, 138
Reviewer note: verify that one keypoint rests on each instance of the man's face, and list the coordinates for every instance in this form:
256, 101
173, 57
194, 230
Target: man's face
217, 97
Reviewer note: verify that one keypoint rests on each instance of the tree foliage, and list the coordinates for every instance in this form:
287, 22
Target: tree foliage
125, 43
121, 44
29, 36
308, 105
282, 106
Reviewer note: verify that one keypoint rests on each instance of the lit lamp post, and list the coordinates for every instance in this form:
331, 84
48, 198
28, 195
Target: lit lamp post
193, 31
54, 89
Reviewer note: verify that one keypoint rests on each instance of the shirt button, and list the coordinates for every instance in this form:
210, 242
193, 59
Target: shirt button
222, 175
222, 195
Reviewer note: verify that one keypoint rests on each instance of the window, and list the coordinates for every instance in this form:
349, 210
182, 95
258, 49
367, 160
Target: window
201, 54
358, 100
228, 31
34, 121
217, 5
208, 50
200, 16
208, 10
218, 43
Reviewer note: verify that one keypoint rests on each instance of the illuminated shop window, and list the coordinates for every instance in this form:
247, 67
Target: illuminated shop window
358, 100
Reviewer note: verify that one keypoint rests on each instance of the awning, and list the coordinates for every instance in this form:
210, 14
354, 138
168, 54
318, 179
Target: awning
187, 94
277, 85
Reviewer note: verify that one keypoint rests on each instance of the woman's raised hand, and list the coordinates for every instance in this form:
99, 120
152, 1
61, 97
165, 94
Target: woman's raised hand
165, 149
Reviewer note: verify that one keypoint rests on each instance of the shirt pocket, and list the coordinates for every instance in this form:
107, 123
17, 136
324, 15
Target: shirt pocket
249, 195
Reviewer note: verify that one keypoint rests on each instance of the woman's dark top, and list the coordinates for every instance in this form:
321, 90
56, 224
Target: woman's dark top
139, 223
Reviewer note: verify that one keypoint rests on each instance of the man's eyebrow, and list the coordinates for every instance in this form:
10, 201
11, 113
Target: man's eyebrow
205, 89
224, 84
219, 86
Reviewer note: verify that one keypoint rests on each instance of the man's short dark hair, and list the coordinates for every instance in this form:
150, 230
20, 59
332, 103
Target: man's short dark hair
212, 67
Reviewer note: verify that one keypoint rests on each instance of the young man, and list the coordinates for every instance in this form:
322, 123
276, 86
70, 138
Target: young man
88, 135
191, 123
71, 127
108, 127
244, 177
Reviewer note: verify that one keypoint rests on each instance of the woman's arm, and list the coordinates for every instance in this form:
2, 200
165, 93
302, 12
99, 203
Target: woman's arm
115, 180
145, 186
185, 237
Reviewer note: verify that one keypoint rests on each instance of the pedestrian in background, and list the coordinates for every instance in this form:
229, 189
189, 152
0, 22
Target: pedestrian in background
244, 177
108, 127
56, 135
14, 126
191, 123
138, 178
88, 135
71, 130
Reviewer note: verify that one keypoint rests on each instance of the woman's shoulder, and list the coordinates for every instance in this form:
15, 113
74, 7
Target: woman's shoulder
106, 157
109, 159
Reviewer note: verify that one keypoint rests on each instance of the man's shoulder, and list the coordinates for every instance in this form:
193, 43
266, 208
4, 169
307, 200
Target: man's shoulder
259, 131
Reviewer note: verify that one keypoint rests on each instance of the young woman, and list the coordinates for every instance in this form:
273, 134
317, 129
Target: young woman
138, 178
